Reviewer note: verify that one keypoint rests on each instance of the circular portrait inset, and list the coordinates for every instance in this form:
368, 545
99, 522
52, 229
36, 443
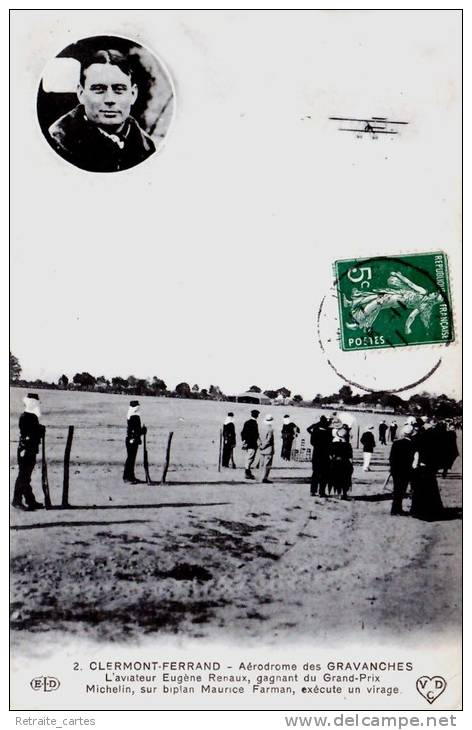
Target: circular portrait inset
105, 104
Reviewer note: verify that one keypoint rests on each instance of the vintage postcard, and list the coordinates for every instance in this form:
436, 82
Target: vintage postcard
235, 367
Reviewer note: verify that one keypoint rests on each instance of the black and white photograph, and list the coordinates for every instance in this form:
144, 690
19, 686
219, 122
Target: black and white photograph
105, 104
214, 504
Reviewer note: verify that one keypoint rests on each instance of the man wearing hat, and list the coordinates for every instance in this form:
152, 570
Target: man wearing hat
401, 465
267, 448
31, 432
133, 441
368, 443
229, 441
250, 439
320, 438
383, 428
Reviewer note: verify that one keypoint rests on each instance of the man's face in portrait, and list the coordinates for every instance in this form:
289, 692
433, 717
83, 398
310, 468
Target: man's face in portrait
107, 95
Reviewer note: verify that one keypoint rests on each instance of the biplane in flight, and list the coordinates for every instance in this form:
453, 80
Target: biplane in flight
373, 125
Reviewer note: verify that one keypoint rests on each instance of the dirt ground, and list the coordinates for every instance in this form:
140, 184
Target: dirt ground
208, 555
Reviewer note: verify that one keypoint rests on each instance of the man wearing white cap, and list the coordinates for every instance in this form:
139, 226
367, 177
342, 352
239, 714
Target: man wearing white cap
133, 440
401, 465
229, 441
31, 432
266, 448
368, 443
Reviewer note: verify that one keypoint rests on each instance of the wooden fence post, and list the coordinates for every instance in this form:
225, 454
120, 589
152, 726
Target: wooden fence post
220, 452
44, 474
166, 465
65, 482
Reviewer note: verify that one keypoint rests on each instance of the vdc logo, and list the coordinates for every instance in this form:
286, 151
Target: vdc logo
46, 684
431, 687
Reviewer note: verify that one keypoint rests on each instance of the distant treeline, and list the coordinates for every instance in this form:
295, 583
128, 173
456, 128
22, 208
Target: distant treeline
440, 406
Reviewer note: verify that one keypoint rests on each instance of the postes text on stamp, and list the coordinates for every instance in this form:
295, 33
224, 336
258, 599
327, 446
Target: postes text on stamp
394, 301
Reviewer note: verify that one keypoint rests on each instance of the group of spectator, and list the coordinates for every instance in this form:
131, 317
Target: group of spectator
424, 447
257, 441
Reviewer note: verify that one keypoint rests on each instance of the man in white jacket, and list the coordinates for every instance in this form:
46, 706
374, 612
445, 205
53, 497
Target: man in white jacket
266, 448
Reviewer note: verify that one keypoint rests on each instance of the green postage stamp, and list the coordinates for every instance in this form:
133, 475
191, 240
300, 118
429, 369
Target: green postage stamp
394, 301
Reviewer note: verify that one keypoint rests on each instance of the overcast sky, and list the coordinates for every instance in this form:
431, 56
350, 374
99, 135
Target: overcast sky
209, 261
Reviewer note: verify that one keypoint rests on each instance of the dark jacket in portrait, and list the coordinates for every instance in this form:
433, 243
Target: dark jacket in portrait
250, 434
401, 456
85, 145
134, 430
31, 432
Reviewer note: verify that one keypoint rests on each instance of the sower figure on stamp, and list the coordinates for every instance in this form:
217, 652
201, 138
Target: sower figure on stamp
31, 432
383, 428
133, 441
401, 467
289, 433
267, 448
368, 443
320, 438
250, 439
229, 442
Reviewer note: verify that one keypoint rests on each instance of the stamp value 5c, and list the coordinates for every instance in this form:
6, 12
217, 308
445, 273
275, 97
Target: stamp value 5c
394, 301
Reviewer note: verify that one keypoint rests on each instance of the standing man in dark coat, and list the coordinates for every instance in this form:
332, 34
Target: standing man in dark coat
100, 135
368, 443
133, 441
383, 428
229, 442
401, 467
31, 433
393, 431
290, 431
320, 438
250, 439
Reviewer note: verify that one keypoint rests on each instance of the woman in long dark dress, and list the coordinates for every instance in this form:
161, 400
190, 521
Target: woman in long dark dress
426, 503
341, 463
450, 451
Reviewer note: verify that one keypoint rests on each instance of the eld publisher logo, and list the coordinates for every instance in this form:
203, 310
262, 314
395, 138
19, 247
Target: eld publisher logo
46, 684
431, 687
